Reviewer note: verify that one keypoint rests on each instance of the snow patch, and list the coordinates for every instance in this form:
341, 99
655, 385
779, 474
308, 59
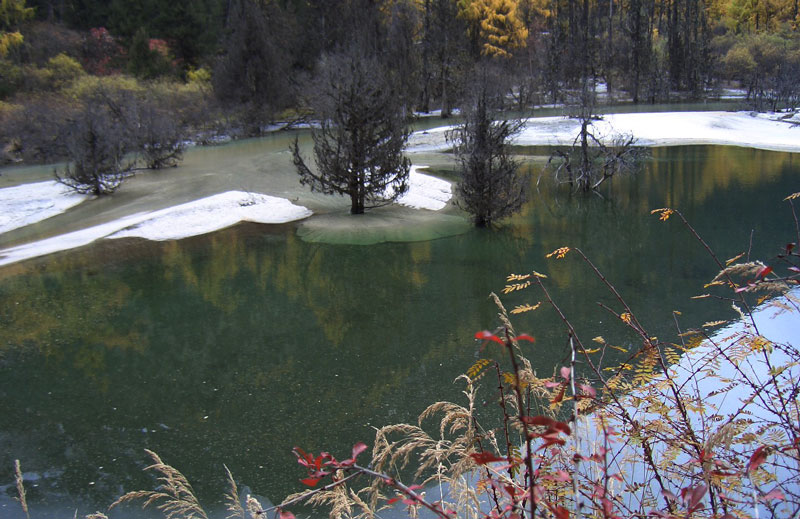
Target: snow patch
425, 191
190, 219
213, 213
763, 131
671, 129
30, 203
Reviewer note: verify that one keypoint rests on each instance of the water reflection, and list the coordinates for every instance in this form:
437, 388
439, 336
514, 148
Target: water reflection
233, 348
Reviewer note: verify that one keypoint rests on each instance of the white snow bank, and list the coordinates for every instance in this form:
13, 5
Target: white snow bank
425, 191
671, 129
30, 203
213, 213
764, 131
190, 219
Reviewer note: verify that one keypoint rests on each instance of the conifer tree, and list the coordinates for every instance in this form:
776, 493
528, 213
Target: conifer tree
358, 148
491, 186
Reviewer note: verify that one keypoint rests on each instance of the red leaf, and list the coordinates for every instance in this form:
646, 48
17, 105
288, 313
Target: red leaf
551, 440
763, 272
560, 396
790, 247
561, 426
285, 514
692, 496
565, 371
588, 390
757, 459
525, 337
538, 420
303, 458
392, 500
773, 495
482, 458
358, 448
559, 511
489, 336
310, 482
794, 269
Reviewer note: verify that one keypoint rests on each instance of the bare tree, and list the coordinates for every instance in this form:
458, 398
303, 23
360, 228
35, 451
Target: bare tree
491, 186
159, 135
590, 161
359, 145
96, 142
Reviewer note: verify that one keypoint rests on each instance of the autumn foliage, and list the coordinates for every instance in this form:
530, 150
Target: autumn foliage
706, 426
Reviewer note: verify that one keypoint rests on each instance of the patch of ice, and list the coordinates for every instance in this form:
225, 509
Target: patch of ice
434, 139
30, 203
213, 213
672, 128
425, 191
762, 131
190, 219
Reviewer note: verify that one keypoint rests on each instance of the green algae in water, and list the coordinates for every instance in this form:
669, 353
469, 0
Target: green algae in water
381, 226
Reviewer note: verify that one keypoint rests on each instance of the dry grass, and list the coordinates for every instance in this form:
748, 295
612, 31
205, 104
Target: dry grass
233, 502
20, 488
174, 495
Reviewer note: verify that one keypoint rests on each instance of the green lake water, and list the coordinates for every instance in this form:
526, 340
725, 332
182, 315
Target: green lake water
234, 347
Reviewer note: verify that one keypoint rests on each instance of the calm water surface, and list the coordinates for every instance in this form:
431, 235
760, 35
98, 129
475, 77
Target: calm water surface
234, 347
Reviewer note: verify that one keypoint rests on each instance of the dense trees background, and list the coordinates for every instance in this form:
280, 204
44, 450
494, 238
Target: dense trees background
249, 62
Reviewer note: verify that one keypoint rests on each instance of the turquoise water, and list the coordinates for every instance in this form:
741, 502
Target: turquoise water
237, 346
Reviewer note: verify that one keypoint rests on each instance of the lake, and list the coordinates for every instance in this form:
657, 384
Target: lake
234, 347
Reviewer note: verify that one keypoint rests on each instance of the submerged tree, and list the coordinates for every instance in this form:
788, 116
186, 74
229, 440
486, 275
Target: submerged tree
591, 160
96, 143
358, 147
491, 186
158, 134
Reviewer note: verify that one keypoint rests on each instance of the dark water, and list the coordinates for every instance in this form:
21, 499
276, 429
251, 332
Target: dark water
235, 347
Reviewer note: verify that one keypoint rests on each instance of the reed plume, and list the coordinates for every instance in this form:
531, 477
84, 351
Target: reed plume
175, 494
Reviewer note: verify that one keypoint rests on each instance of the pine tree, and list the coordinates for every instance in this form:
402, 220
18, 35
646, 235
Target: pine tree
359, 146
491, 186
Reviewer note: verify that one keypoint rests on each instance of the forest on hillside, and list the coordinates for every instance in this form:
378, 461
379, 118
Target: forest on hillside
227, 66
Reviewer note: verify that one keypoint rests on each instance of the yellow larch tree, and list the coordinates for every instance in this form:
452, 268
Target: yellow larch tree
495, 24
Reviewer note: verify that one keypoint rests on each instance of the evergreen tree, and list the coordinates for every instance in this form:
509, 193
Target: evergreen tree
491, 186
358, 148
255, 67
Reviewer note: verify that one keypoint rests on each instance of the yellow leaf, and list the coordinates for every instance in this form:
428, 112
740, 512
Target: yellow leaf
599, 340
792, 196
525, 308
664, 213
711, 324
516, 286
728, 262
517, 277
558, 253
626, 318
